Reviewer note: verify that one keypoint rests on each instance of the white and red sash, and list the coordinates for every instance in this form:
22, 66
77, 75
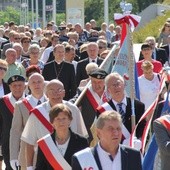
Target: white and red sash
91, 99
165, 122
86, 159
8, 103
52, 153
27, 104
43, 117
107, 107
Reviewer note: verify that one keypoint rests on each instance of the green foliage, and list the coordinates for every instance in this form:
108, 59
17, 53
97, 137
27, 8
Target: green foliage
60, 18
10, 14
151, 29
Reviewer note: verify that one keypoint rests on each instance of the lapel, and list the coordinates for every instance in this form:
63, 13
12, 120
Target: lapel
112, 105
124, 156
94, 152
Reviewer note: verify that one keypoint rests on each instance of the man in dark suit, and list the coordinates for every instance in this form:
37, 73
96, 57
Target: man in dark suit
7, 102
64, 71
109, 132
93, 97
158, 54
14, 38
92, 51
119, 101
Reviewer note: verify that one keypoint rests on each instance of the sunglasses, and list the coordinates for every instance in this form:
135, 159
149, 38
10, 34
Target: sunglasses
101, 47
2, 68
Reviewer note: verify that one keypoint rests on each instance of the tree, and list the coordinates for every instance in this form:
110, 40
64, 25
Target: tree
10, 14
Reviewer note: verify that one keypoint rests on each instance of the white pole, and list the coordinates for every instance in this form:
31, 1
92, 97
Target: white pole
106, 11
36, 13
44, 14
32, 9
54, 11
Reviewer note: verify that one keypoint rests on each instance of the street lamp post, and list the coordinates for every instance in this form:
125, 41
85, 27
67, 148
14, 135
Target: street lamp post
106, 10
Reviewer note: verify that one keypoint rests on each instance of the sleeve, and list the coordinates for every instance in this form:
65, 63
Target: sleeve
162, 137
75, 163
15, 133
41, 162
29, 134
78, 74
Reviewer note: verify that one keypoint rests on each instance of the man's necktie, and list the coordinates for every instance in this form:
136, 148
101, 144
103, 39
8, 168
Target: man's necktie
111, 158
39, 102
121, 111
93, 61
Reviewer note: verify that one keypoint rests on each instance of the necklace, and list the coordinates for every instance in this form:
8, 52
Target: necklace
62, 141
57, 73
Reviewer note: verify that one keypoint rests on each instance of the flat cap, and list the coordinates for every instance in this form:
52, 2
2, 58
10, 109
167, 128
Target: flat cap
15, 78
98, 73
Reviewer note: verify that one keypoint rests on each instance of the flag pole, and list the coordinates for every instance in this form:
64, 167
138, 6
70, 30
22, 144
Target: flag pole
131, 75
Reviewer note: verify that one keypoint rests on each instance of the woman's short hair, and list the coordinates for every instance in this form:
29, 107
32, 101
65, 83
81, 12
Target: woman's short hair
58, 108
147, 65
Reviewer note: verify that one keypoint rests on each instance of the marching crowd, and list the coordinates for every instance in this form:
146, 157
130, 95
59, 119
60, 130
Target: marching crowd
60, 110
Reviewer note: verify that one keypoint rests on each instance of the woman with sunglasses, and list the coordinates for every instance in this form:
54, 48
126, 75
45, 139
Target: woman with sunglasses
25, 42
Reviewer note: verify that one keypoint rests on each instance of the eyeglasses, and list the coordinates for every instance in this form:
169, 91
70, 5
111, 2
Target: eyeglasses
34, 52
59, 91
26, 41
100, 47
2, 68
17, 38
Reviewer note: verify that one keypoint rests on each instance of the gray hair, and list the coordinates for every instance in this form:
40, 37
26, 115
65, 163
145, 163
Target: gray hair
107, 115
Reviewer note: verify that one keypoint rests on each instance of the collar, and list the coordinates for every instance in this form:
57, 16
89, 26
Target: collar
124, 101
103, 152
42, 99
90, 60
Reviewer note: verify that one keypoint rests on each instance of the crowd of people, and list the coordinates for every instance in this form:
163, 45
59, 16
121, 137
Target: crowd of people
45, 124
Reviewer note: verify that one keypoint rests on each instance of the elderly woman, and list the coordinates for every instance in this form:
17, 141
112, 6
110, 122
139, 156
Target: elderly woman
149, 83
4, 89
34, 51
63, 143
25, 42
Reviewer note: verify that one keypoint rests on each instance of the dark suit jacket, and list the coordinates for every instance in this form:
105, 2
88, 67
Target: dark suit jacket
5, 47
65, 73
161, 55
139, 110
6, 87
130, 159
166, 48
87, 111
81, 72
5, 126
75, 144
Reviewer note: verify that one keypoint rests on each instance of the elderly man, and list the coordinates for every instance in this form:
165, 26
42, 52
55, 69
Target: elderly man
115, 86
108, 153
7, 102
92, 50
64, 71
93, 98
21, 113
38, 124
14, 68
